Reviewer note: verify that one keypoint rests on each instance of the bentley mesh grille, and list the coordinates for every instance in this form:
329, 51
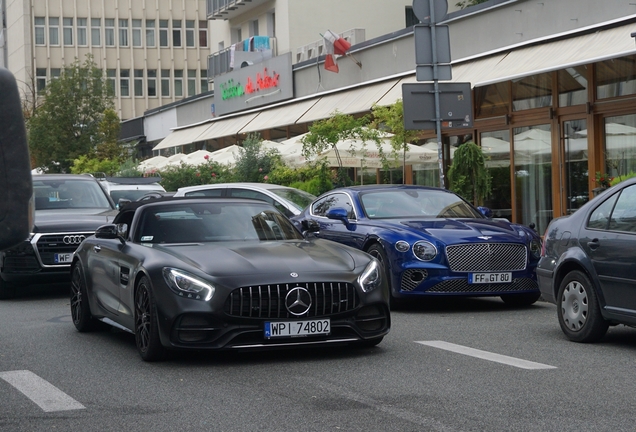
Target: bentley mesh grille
484, 257
462, 286
268, 301
412, 278
50, 244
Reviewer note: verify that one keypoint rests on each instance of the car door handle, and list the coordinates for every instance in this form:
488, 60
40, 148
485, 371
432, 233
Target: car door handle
97, 248
594, 244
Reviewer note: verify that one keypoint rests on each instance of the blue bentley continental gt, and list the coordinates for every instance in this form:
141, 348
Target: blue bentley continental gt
430, 241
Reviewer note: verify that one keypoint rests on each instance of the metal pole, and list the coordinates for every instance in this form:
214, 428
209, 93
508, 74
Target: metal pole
438, 120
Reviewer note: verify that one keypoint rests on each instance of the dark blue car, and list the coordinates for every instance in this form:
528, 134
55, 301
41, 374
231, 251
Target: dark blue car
430, 241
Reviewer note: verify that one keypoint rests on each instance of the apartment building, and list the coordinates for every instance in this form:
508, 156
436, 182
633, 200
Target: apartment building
153, 52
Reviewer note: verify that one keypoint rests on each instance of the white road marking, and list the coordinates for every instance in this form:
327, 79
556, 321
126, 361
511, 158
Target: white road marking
44, 394
485, 355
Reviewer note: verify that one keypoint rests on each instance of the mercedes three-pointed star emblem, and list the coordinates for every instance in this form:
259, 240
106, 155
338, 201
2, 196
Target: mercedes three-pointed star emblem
298, 301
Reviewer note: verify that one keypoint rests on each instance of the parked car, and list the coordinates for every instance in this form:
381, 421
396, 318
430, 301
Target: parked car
125, 189
68, 208
212, 274
430, 241
588, 264
290, 201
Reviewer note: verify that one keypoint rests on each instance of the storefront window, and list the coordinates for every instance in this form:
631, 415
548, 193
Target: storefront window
533, 175
492, 100
572, 86
496, 148
532, 92
576, 172
620, 145
616, 77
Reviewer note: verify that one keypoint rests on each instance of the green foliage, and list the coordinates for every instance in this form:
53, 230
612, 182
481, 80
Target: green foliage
174, 177
254, 163
616, 180
312, 178
129, 169
76, 118
468, 175
84, 164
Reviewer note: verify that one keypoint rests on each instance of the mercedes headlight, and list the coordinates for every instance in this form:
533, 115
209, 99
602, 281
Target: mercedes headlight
371, 277
187, 285
424, 250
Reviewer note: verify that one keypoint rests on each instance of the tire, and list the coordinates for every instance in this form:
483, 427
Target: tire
146, 324
370, 343
520, 300
7, 290
80, 309
579, 310
377, 252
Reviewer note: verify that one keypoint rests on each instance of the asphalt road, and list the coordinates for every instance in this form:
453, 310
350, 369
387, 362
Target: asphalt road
448, 365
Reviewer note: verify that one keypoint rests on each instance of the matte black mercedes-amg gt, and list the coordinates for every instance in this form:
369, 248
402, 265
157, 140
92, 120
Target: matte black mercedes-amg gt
206, 273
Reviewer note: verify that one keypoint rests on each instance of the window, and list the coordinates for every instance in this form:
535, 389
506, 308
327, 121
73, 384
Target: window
81, 32
192, 82
203, 34
176, 33
163, 33
136, 32
178, 83
600, 216
534, 91
492, 100
40, 33
139, 82
54, 31
616, 77
254, 28
321, 207
68, 31
165, 82
96, 31
55, 73
190, 33
123, 32
624, 213
572, 84
109, 32
124, 82
152, 82
111, 74
204, 80
150, 33
40, 79
411, 19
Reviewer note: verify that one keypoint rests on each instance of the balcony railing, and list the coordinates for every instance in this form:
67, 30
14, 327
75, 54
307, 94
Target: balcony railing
226, 9
222, 62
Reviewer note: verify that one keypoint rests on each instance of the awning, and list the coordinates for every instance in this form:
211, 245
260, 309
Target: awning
352, 101
227, 127
182, 136
280, 116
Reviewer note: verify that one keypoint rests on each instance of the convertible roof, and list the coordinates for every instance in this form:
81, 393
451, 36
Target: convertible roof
134, 205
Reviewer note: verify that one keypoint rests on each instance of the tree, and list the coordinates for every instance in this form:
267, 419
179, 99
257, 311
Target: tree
253, 163
468, 175
75, 118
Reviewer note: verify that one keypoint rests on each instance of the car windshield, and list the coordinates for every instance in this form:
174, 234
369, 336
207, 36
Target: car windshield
416, 203
67, 194
300, 199
213, 221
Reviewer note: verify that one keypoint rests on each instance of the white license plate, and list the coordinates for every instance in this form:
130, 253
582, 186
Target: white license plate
487, 278
297, 328
63, 258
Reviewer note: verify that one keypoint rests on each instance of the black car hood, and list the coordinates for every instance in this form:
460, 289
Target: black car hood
452, 231
253, 257
72, 220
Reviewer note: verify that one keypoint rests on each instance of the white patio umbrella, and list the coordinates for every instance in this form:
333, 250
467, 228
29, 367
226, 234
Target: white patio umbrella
172, 161
357, 154
226, 155
152, 163
197, 158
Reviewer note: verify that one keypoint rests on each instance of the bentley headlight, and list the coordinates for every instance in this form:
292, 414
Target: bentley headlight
187, 285
371, 277
402, 246
535, 248
424, 250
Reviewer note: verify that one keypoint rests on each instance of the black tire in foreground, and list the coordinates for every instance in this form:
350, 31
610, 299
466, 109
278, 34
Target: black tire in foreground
80, 310
146, 325
579, 310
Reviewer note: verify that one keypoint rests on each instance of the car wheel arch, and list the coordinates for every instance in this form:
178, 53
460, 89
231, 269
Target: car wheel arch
569, 266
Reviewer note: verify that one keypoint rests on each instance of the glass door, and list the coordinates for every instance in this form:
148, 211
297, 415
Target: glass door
574, 173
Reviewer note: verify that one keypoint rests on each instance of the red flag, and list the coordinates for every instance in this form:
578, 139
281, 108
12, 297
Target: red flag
340, 45
330, 63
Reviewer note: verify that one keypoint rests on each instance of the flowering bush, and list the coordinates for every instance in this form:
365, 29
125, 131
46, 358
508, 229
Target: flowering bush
603, 180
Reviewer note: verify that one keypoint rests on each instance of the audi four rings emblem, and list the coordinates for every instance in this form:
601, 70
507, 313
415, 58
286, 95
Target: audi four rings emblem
298, 301
73, 239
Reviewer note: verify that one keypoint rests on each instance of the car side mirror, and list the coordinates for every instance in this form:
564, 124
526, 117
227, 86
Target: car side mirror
485, 211
122, 202
338, 214
111, 231
310, 226
17, 207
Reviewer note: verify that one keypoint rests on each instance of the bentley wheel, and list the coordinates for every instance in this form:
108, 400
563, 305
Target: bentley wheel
579, 310
377, 252
7, 290
80, 310
520, 300
146, 325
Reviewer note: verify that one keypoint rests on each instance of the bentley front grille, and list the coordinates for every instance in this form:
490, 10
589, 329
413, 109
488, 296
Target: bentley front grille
268, 301
487, 257
50, 244
462, 286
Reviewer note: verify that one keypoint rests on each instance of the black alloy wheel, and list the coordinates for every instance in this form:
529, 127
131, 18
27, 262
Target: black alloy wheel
146, 325
80, 310
579, 310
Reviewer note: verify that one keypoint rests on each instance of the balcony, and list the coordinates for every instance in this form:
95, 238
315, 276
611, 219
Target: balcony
244, 53
228, 9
